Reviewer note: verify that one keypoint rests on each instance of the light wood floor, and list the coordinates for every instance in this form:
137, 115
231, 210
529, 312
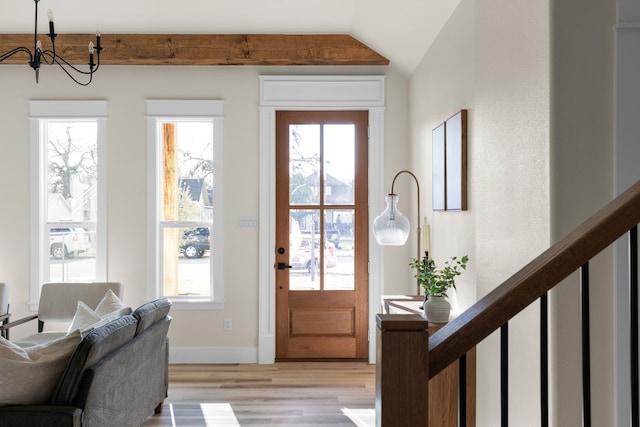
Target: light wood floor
284, 394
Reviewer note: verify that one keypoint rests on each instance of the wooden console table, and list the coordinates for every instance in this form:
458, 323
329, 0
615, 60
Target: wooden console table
443, 388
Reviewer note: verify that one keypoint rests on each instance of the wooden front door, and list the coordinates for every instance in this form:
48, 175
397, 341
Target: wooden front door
321, 235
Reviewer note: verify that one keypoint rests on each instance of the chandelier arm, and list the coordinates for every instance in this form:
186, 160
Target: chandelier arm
57, 62
72, 77
47, 53
58, 58
61, 62
12, 52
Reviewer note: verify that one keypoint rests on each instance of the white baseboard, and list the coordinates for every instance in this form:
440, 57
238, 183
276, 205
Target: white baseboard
213, 355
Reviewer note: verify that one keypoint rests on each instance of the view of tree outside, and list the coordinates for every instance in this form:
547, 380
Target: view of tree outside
72, 183
72, 169
304, 161
333, 145
187, 211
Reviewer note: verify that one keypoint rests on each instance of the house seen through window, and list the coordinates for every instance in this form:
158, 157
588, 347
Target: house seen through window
72, 199
187, 207
68, 146
185, 198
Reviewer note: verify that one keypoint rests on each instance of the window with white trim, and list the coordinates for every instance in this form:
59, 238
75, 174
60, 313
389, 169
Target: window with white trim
185, 201
68, 147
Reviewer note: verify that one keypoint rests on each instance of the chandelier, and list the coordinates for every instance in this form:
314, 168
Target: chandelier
48, 56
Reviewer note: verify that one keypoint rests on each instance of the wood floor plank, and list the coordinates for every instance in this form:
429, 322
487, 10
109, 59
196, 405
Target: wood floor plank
301, 394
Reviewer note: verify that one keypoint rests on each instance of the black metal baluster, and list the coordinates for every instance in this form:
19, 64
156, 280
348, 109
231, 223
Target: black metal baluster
504, 375
544, 360
462, 391
633, 313
586, 348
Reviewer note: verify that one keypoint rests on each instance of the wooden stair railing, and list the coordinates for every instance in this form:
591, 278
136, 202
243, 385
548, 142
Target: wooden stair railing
493, 312
534, 280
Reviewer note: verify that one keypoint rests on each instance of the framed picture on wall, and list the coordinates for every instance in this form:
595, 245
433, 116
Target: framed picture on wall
456, 162
449, 164
438, 167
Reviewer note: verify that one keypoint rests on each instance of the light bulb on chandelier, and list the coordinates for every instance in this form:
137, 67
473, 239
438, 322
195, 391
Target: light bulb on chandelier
40, 56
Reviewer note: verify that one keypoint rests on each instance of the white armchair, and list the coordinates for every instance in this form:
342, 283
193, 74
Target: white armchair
58, 303
4, 309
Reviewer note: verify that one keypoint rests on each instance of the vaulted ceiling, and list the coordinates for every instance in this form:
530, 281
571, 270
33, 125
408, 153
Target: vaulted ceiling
401, 30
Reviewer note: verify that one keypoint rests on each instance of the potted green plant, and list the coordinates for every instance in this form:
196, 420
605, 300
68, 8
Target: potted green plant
436, 282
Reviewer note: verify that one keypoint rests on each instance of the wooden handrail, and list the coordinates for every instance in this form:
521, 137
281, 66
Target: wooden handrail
534, 280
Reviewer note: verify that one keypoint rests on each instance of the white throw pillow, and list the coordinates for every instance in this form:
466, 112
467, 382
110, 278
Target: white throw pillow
84, 318
116, 314
87, 319
110, 303
29, 375
107, 318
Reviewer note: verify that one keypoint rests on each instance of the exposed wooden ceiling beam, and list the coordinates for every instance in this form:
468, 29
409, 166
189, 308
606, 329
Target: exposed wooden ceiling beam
205, 49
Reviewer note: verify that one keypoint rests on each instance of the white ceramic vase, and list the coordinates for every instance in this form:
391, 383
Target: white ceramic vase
437, 309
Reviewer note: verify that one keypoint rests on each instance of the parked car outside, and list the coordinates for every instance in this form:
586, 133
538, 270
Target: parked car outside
195, 242
333, 236
68, 242
301, 258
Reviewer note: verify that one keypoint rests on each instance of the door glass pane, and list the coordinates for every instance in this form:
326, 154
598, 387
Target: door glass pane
187, 270
304, 250
339, 161
339, 255
304, 164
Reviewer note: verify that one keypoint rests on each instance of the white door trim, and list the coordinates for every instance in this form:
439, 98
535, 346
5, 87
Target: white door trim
314, 93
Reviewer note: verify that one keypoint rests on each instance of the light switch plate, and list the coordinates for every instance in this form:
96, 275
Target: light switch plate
247, 222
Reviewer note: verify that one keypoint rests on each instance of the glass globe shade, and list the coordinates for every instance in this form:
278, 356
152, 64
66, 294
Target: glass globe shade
391, 227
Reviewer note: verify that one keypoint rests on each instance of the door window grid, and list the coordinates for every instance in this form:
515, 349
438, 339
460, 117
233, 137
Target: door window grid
321, 178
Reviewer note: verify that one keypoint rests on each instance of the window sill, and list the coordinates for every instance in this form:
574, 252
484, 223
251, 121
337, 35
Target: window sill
193, 304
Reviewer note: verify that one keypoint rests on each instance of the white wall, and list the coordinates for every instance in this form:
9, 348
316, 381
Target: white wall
194, 333
492, 59
397, 277
537, 78
582, 181
512, 131
626, 158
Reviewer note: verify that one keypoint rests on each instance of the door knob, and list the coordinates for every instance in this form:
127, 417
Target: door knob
282, 266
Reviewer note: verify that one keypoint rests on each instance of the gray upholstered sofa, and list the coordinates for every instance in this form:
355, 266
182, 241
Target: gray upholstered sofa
117, 376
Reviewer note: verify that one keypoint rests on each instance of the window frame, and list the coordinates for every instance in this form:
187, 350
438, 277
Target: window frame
159, 111
39, 113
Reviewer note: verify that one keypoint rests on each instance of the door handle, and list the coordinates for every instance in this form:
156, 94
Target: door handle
282, 266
